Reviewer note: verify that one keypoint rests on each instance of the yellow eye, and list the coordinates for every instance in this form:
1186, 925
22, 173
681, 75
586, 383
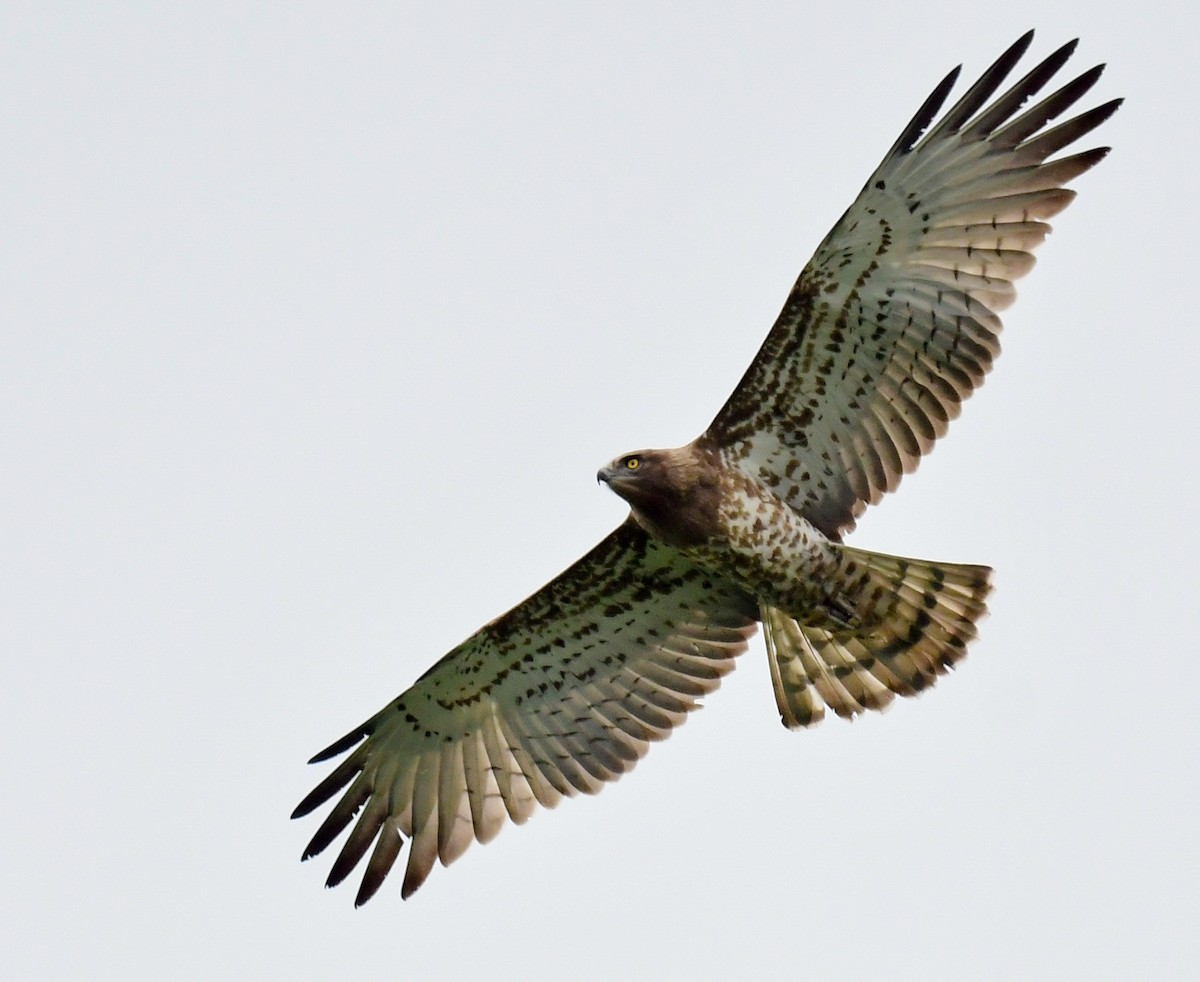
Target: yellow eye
633, 463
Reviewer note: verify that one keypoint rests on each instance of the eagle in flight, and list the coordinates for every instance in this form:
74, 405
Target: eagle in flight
890, 326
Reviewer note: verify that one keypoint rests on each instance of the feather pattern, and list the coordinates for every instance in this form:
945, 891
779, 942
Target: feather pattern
893, 323
931, 613
557, 697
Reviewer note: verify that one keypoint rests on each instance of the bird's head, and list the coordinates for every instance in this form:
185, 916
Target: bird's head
673, 493
637, 476
653, 480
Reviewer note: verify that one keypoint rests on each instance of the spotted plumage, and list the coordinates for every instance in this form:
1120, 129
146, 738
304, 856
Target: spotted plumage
891, 325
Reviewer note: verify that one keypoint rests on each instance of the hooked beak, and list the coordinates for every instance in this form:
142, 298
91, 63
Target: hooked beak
604, 475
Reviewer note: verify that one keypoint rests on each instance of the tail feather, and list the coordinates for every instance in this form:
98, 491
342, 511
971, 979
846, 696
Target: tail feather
912, 622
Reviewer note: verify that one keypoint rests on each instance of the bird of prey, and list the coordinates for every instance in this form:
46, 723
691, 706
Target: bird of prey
890, 326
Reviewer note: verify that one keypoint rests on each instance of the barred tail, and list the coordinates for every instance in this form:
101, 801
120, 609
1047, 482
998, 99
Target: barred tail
913, 621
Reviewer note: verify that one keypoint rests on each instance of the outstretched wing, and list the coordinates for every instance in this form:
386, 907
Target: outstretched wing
562, 693
893, 323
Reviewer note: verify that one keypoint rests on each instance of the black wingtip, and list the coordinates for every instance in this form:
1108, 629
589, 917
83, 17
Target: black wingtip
1067, 49
925, 115
342, 775
341, 745
364, 894
1016, 51
975, 97
1050, 65
387, 848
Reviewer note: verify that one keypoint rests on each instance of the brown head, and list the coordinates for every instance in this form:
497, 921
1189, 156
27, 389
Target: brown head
673, 493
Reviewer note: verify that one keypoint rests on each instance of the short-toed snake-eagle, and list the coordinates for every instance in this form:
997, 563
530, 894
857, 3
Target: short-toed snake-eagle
890, 326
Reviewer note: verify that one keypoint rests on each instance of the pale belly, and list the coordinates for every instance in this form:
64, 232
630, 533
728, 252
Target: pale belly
778, 556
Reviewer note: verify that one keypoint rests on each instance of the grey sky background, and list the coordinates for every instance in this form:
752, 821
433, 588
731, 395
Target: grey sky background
317, 321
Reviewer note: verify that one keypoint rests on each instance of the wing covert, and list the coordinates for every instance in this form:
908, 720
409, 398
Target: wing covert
563, 693
894, 321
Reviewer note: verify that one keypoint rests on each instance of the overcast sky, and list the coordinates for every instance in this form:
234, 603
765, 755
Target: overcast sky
315, 324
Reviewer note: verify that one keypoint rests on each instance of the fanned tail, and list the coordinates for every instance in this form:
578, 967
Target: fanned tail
913, 621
